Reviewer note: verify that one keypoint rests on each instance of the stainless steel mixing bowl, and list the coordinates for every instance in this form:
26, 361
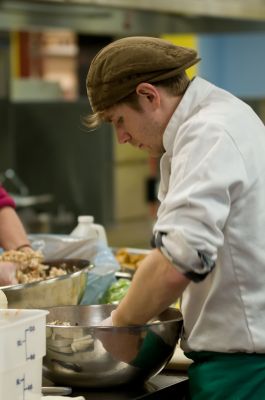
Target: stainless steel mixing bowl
64, 290
89, 355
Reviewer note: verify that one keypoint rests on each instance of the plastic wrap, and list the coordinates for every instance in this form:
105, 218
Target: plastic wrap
101, 256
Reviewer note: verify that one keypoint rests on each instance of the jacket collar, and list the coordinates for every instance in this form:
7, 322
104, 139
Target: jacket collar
196, 92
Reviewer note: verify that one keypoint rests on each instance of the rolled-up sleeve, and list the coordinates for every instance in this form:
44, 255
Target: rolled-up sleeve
5, 199
206, 175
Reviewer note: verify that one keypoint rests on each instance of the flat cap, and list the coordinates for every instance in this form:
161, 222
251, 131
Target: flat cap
119, 67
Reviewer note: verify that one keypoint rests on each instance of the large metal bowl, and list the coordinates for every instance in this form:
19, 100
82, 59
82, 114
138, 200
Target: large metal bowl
89, 355
63, 290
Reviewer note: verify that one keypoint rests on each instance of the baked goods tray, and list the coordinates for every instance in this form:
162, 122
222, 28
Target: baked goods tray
128, 258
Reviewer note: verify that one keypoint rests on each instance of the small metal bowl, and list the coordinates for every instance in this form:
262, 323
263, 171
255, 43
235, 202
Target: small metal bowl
63, 290
91, 355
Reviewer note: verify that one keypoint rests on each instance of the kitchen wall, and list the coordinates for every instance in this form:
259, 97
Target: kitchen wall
235, 62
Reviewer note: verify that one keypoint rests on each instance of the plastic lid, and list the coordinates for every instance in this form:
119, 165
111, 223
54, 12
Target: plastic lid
85, 218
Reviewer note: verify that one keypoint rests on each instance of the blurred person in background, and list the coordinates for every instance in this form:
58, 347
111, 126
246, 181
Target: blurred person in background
209, 242
12, 236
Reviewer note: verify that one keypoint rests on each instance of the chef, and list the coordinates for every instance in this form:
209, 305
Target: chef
209, 241
12, 236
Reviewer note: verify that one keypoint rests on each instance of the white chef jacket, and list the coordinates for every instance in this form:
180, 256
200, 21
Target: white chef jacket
212, 195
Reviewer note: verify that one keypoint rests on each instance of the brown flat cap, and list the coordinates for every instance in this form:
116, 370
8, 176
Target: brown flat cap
119, 67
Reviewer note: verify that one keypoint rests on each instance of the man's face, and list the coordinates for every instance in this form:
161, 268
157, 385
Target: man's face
140, 128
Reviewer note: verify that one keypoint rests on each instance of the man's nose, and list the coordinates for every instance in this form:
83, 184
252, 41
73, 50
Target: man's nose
123, 136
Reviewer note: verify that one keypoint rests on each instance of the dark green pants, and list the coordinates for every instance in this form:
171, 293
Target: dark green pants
227, 376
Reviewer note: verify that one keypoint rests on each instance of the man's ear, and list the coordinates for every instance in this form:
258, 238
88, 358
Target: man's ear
147, 91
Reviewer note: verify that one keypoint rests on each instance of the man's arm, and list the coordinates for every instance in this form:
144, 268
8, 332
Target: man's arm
12, 232
12, 236
155, 286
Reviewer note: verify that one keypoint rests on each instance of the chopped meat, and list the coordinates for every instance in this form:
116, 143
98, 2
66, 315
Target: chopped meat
30, 266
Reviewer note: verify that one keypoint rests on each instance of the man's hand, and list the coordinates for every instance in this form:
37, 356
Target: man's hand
121, 344
137, 346
7, 273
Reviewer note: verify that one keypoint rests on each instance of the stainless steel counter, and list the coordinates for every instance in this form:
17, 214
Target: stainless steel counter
168, 384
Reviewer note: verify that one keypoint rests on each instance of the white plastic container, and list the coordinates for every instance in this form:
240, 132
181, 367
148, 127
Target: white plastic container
86, 228
3, 299
22, 347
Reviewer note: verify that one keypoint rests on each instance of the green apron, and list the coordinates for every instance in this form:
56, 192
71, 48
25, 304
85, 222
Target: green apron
154, 351
227, 376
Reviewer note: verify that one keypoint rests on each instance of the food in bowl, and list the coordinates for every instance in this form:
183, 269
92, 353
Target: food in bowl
66, 289
31, 266
61, 323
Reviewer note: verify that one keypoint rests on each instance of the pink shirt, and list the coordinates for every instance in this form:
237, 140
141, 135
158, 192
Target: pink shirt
5, 199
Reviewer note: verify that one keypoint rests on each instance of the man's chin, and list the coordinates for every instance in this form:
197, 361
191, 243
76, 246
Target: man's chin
155, 154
